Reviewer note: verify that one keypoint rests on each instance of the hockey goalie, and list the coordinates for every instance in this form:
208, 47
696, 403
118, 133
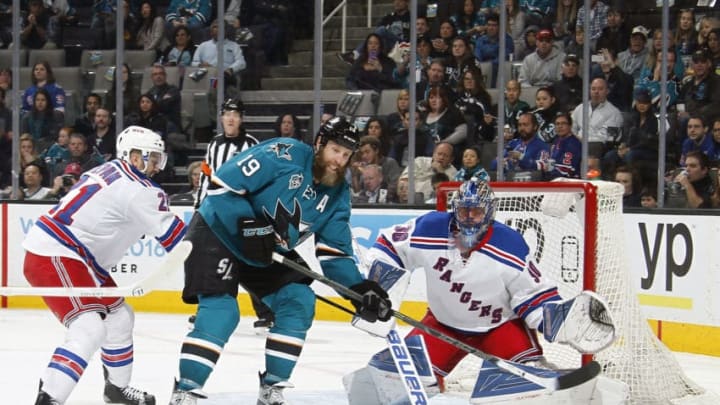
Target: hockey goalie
484, 290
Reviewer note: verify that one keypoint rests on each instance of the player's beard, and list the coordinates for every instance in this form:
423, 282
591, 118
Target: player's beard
323, 174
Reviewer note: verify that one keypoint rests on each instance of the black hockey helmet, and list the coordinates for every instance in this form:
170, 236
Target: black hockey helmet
340, 131
233, 104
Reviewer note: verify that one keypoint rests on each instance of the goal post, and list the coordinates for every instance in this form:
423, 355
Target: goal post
575, 231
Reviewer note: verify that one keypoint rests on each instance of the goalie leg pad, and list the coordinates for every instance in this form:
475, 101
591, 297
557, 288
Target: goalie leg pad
583, 322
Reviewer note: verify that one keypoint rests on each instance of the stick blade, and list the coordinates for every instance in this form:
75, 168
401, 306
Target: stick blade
579, 376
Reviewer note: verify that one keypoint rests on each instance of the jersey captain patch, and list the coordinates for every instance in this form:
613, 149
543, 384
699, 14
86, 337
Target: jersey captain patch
281, 150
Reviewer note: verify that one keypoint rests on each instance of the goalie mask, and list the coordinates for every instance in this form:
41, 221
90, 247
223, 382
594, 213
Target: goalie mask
474, 210
147, 142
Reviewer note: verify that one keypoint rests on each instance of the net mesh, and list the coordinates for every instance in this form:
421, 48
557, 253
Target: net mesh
557, 222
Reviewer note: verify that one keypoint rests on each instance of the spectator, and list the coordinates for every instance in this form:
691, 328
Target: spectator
605, 118
402, 72
513, 105
696, 180
82, 154
649, 80
568, 90
395, 119
442, 44
565, 21
527, 44
370, 153
542, 67
686, 36
698, 139
545, 110
632, 59
188, 195
475, 104
701, 94
576, 44
234, 61
631, 185
58, 153
62, 13
539, 12
648, 198
516, 21
33, 190
148, 116
565, 152
459, 62
469, 21
643, 134
598, 20
181, 52
526, 152
619, 83
377, 128
166, 96
372, 69
707, 24
288, 125
713, 48
425, 167
85, 123
616, 35
487, 47
435, 181
716, 142
5, 116
102, 140
28, 154
42, 77
103, 22
130, 93
656, 48
34, 26
435, 78
42, 122
151, 30
400, 142
471, 166
403, 189
5, 79
443, 122
374, 189
62, 183
193, 14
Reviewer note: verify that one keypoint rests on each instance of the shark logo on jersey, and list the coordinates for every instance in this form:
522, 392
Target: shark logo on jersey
295, 181
287, 224
309, 193
281, 150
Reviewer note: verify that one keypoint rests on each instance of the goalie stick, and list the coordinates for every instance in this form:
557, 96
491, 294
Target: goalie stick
569, 380
175, 259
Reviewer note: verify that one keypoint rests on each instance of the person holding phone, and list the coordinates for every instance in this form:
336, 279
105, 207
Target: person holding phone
373, 69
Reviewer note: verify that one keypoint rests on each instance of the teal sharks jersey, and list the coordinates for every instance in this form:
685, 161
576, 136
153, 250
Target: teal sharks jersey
273, 180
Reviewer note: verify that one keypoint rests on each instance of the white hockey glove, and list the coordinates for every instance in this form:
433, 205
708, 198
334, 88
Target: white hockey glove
583, 322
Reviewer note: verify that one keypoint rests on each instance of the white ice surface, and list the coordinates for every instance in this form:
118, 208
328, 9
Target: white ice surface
332, 349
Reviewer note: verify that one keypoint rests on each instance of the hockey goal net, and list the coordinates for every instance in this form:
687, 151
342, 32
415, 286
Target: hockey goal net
575, 233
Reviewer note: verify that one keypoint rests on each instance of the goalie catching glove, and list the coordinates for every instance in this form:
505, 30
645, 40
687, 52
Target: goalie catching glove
375, 304
583, 322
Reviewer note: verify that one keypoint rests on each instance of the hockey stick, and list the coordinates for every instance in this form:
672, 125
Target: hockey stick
574, 378
174, 259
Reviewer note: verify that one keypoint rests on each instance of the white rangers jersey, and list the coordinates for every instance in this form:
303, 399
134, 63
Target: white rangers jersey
496, 283
109, 209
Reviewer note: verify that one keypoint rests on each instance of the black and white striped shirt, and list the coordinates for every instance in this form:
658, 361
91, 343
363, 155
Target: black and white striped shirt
220, 150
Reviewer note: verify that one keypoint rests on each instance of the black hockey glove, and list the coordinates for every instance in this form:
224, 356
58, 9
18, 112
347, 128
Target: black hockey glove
258, 239
375, 303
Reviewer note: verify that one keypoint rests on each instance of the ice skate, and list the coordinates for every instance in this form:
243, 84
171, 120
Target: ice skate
272, 394
44, 398
262, 326
125, 395
180, 397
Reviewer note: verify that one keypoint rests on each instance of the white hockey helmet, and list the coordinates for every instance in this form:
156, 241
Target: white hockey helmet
146, 141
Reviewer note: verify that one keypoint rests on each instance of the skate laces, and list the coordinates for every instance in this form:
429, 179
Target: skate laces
273, 394
133, 393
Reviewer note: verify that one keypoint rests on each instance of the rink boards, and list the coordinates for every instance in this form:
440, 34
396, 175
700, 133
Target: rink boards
674, 262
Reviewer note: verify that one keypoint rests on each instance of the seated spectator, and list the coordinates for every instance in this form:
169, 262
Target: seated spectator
568, 90
166, 96
151, 29
545, 110
619, 83
130, 93
374, 189
695, 180
62, 184
377, 128
686, 36
62, 13
475, 104
650, 81
435, 77
444, 122
5, 79
193, 14
471, 166
104, 23
402, 72
392, 28
715, 159
631, 184
643, 137
564, 26
516, 21
713, 48
632, 59
598, 20
698, 139
82, 154
288, 126
648, 198
701, 93
394, 120
58, 153
42, 78
369, 153
576, 44
539, 12
513, 105
403, 188
372, 70
401, 140
527, 44
616, 35
233, 61
442, 44
435, 181
460, 60
34, 26
424, 167
42, 122
543, 67
85, 123
487, 46
102, 140
565, 152
189, 194
526, 152
5, 116
707, 23
28, 154
33, 190
656, 49
605, 118
181, 50
469, 21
